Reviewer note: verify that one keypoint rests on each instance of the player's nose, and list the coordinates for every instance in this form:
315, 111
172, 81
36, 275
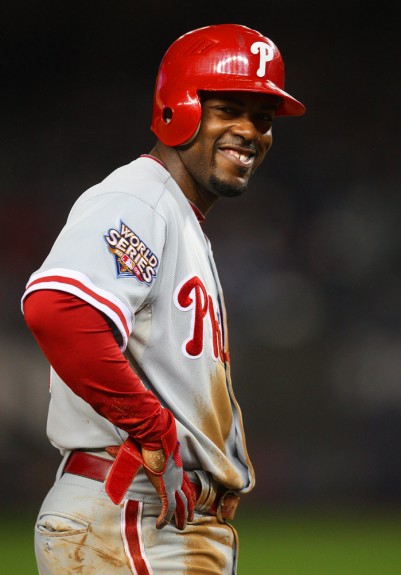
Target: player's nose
248, 128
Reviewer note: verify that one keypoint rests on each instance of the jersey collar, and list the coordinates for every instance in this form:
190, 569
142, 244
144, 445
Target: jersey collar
155, 159
199, 216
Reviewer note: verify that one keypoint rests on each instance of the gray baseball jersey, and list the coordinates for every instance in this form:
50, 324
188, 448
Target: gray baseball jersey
134, 249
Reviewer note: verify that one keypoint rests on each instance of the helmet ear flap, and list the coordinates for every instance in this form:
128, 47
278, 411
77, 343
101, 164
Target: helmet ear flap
192, 138
178, 123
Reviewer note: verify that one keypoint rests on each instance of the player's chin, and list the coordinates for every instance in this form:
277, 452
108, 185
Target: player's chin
228, 187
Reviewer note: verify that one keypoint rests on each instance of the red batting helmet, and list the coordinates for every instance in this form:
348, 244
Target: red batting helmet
225, 57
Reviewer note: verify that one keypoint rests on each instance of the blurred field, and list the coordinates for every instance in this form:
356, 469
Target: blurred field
280, 543
357, 543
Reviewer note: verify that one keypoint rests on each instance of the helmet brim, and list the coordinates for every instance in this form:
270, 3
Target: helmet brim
289, 106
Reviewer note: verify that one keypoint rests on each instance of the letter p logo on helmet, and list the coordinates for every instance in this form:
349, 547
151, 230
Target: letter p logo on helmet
266, 54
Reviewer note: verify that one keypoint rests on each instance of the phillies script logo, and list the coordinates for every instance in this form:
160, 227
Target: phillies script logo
191, 296
132, 256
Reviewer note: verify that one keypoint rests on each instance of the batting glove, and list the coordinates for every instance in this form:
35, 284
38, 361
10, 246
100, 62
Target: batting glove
164, 470
173, 487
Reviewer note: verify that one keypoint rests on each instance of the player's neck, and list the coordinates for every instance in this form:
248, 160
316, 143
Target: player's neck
203, 200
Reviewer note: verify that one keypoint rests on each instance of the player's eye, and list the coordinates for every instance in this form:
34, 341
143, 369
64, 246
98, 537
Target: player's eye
264, 121
229, 110
266, 117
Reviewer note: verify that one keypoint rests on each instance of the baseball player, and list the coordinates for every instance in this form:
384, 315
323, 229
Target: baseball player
129, 311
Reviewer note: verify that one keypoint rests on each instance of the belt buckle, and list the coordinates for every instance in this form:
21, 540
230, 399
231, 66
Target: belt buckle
227, 506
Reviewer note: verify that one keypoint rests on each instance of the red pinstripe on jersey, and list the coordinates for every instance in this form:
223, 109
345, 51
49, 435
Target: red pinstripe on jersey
131, 530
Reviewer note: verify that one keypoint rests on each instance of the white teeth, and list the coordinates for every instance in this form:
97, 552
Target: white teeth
244, 158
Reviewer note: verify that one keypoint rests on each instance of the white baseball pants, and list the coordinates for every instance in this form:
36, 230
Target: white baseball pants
80, 530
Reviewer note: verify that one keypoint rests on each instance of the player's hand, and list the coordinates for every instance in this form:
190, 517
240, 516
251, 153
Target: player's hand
164, 470
171, 483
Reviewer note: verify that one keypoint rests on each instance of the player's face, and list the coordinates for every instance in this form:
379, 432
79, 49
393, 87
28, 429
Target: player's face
233, 139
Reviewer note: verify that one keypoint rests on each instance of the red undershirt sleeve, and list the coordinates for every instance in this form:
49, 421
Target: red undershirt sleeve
79, 344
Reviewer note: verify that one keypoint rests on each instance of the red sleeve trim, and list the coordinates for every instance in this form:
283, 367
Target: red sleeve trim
78, 284
83, 288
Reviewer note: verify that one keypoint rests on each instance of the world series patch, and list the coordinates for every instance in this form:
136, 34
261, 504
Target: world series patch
133, 258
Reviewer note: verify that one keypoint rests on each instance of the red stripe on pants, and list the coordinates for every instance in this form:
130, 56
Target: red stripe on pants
132, 535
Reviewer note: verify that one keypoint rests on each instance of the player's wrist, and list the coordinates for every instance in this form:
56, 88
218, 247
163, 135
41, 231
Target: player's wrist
156, 453
163, 435
169, 438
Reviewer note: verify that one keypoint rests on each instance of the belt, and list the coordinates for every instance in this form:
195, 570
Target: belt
94, 467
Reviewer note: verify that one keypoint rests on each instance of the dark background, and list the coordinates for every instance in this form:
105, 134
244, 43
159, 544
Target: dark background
309, 257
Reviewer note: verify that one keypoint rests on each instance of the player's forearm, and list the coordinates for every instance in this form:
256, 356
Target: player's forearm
79, 344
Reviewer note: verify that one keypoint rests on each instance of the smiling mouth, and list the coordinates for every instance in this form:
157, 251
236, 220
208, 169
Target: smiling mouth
241, 157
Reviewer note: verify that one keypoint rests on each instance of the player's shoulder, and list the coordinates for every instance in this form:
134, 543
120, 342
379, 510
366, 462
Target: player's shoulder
144, 179
143, 189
